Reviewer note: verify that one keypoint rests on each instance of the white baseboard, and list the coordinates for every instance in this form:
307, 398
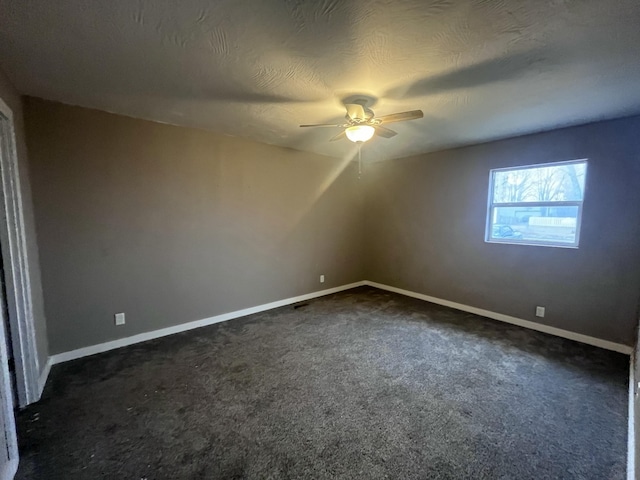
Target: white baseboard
143, 337
631, 427
42, 380
578, 337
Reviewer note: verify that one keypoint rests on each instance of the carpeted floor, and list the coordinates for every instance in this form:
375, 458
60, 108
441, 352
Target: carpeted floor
362, 384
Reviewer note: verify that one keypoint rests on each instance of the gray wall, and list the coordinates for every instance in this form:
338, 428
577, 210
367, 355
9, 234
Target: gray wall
11, 97
425, 227
171, 224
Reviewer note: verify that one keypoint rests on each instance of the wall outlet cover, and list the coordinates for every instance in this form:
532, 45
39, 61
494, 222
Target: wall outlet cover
120, 319
539, 311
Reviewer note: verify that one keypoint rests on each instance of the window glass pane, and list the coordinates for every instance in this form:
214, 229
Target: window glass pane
551, 183
534, 224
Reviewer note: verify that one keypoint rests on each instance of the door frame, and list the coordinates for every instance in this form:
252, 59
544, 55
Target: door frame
16, 266
8, 470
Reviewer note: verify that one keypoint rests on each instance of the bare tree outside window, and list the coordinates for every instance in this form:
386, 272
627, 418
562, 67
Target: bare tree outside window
537, 204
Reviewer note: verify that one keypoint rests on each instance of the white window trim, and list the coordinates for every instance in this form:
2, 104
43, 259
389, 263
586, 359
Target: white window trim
492, 205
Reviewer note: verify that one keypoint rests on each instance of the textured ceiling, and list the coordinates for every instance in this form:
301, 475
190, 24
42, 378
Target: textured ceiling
479, 69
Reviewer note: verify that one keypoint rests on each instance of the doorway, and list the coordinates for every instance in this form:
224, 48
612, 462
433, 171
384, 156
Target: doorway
11, 365
8, 438
16, 284
19, 366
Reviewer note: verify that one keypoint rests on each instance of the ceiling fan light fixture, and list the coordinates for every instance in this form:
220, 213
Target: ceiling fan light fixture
360, 133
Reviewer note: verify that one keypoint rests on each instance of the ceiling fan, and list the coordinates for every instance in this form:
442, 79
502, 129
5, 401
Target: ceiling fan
361, 123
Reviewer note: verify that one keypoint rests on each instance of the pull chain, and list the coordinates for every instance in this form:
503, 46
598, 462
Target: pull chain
359, 160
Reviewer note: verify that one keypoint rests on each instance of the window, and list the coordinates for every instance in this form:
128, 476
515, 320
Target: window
537, 204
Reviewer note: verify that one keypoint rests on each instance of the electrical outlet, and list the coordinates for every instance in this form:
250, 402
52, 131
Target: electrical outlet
120, 319
321, 278
539, 311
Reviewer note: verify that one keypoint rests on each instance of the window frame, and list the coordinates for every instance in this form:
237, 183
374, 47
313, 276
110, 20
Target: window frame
491, 205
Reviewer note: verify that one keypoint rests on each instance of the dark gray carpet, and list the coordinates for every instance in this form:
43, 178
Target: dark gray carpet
362, 384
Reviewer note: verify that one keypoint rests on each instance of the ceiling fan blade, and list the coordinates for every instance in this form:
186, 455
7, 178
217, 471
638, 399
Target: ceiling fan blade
323, 125
339, 136
385, 132
401, 117
356, 111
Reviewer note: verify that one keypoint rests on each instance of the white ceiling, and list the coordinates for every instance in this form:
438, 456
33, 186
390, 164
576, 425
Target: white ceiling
479, 69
